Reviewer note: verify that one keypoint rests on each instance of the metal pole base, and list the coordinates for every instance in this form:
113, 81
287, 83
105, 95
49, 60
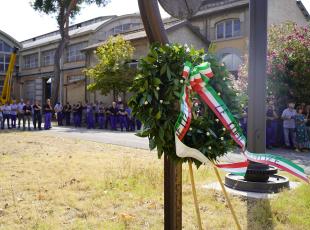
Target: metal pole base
274, 184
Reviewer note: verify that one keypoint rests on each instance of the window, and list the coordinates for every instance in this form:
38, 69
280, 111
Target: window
232, 61
4, 47
47, 57
74, 53
122, 28
76, 78
5, 55
31, 61
4, 62
228, 29
1, 85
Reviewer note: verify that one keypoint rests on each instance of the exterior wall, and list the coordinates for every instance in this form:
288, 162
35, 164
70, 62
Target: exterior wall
185, 36
285, 10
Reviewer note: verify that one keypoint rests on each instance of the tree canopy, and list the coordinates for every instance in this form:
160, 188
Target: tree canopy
288, 64
112, 73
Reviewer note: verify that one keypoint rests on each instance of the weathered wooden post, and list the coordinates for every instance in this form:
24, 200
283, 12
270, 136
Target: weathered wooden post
155, 31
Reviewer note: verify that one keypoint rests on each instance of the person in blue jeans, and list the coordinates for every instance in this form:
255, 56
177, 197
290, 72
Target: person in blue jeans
289, 125
1, 117
123, 117
48, 110
271, 126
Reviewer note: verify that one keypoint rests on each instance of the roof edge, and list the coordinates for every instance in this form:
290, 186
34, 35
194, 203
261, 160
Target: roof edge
9, 37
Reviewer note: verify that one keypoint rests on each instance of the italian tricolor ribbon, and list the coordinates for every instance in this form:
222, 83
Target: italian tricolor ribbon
196, 79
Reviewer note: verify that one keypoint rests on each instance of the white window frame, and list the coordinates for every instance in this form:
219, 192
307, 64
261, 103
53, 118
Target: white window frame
233, 29
75, 55
33, 61
47, 57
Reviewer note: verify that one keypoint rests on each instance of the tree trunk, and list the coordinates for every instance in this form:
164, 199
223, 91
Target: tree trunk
56, 81
63, 23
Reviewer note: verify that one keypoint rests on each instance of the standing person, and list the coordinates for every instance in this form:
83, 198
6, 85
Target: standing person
58, 110
101, 115
1, 117
14, 109
113, 115
90, 116
302, 140
289, 125
308, 120
80, 110
96, 109
123, 117
74, 111
27, 115
130, 119
244, 120
48, 110
271, 126
107, 117
20, 112
37, 115
67, 113
7, 114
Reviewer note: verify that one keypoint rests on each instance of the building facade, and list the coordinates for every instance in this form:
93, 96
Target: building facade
225, 24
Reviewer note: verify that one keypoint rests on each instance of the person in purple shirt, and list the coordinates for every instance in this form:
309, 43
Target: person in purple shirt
90, 116
48, 109
113, 111
271, 126
289, 125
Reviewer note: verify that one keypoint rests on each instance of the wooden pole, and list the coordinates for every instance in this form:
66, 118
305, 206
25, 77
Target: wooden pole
190, 165
155, 31
227, 197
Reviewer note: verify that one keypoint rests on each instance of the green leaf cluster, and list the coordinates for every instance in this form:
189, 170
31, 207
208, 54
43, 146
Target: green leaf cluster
155, 101
112, 73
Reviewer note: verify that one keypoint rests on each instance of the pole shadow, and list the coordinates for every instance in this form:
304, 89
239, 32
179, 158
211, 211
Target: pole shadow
259, 214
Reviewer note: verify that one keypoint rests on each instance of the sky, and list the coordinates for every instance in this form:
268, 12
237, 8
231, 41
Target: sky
19, 20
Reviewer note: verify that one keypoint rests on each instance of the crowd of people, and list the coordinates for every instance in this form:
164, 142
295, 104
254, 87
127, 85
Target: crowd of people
92, 115
288, 128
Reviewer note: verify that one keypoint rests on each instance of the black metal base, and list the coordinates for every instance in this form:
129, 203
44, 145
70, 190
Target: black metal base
274, 184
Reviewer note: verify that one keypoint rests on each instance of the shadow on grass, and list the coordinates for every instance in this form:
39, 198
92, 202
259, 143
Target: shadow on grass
259, 215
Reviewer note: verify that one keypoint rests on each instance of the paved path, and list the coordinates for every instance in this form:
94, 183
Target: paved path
131, 140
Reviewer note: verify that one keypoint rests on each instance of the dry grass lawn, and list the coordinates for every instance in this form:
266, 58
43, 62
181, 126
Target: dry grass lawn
49, 182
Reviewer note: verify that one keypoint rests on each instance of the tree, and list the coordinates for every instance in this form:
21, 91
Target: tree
288, 63
64, 10
112, 73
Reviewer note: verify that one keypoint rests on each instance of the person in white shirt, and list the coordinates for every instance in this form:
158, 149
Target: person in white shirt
1, 117
58, 111
14, 109
20, 112
7, 114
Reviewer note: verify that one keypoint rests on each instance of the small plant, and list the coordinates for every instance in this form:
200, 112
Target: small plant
155, 101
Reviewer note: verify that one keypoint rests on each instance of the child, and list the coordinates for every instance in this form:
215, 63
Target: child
302, 140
